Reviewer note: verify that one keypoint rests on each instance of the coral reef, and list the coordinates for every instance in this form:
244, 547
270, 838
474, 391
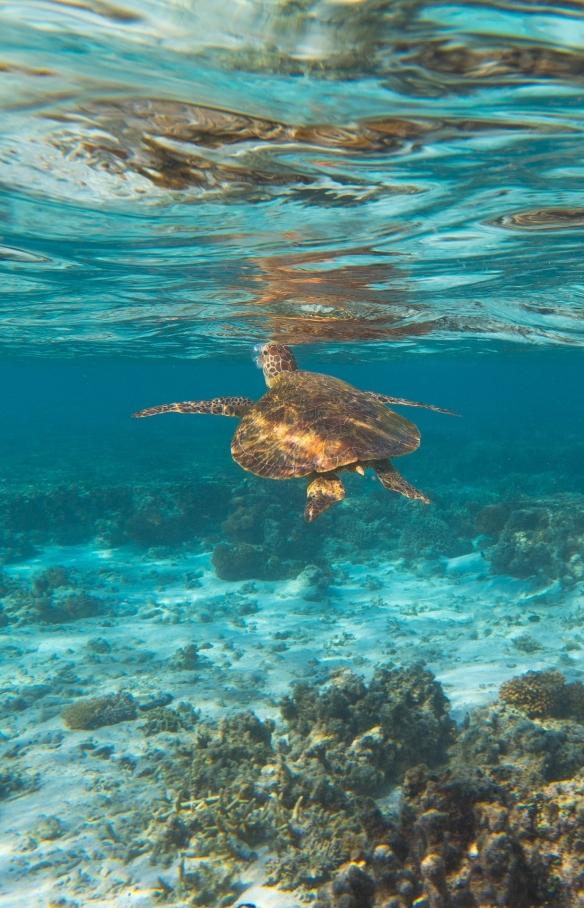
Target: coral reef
99, 646
480, 826
546, 542
260, 542
71, 608
99, 711
533, 750
484, 809
50, 579
525, 643
491, 519
244, 562
47, 828
170, 516
252, 527
368, 736
163, 720
307, 795
162, 515
429, 536
53, 597
544, 695
499, 824
208, 882
187, 658
473, 841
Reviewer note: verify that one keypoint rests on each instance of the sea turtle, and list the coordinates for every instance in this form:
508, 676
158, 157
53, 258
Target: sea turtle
316, 426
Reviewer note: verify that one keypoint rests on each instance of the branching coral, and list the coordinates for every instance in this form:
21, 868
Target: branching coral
161, 719
307, 795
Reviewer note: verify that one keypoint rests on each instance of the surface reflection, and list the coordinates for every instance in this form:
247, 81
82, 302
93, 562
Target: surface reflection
323, 171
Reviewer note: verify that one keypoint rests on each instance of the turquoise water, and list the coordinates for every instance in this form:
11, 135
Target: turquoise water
204, 699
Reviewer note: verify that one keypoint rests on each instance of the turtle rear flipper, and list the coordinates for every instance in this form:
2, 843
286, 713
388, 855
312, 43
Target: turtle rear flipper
394, 481
218, 406
402, 402
322, 492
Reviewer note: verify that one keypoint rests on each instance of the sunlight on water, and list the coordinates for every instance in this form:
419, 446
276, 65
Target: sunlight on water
209, 698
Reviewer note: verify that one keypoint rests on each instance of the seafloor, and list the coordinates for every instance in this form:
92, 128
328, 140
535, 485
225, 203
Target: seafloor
207, 702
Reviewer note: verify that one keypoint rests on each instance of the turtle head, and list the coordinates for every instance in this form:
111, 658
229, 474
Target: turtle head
274, 359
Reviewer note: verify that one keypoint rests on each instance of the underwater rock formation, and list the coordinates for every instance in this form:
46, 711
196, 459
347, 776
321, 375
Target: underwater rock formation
311, 585
47, 828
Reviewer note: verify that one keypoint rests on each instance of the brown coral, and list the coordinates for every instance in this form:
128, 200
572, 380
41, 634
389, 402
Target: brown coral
574, 697
491, 519
100, 711
368, 736
537, 694
488, 827
544, 695
307, 797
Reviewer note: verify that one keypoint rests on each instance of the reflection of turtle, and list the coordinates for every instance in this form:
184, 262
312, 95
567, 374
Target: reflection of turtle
315, 426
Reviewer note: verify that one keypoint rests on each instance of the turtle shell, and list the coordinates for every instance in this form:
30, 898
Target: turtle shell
315, 423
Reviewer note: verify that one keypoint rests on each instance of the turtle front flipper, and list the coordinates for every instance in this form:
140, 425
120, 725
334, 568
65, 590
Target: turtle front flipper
218, 406
394, 481
323, 490
402, 402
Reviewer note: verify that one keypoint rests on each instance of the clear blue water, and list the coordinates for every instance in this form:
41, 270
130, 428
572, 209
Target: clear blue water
393, 190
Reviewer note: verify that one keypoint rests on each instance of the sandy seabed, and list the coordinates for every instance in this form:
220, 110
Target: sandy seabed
252, 641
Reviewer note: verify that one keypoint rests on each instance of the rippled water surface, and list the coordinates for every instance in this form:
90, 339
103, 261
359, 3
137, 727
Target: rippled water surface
178, 178
205, 700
